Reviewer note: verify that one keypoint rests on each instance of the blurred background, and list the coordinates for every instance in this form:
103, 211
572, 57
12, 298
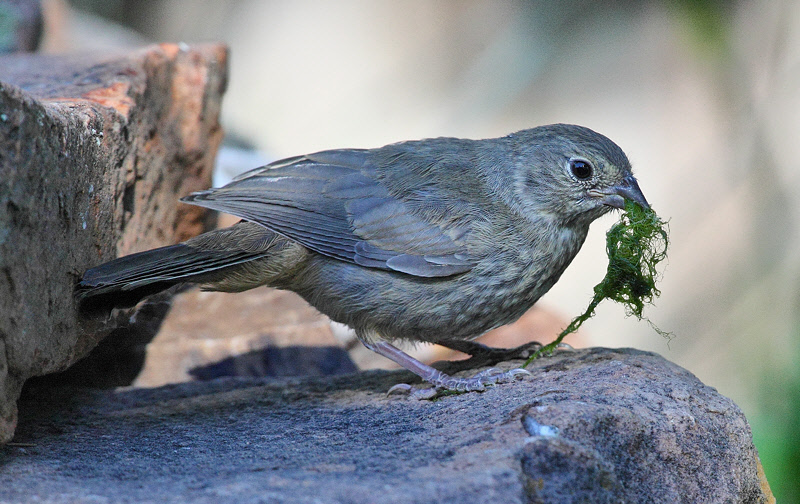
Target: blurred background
704, 96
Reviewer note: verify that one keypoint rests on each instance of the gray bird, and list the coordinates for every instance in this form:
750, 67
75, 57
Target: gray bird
436, 240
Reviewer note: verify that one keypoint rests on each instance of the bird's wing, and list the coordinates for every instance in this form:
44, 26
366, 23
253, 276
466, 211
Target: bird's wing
332, 203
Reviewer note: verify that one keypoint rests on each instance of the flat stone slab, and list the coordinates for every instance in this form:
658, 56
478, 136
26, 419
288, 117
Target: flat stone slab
595, 425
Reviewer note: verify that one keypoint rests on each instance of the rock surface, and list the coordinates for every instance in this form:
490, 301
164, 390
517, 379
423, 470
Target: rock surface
94, 152
595, 425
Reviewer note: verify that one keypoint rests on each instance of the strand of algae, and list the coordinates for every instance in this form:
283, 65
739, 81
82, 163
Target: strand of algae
635, 246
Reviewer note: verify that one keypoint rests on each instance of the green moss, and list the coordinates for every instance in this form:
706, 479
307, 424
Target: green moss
635, 246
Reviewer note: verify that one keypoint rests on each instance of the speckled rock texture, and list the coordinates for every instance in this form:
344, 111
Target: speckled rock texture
95, 150
595, 425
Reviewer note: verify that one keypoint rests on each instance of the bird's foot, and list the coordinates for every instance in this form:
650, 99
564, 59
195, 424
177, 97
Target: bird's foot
444, 384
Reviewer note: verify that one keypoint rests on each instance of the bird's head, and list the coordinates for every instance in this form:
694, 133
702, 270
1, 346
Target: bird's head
571, 173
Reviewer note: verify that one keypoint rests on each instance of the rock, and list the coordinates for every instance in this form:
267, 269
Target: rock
644, 426
594, 425
250, 333
94, 152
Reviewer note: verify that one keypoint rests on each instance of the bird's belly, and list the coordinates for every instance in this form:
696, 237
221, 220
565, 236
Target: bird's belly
397, 306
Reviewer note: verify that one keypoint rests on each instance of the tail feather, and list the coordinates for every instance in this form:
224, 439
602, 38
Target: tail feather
126, 280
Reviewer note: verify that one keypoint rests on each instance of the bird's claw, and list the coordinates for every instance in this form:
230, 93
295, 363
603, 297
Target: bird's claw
400, 388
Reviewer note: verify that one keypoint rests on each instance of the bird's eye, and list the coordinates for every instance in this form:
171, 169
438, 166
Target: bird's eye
581, 168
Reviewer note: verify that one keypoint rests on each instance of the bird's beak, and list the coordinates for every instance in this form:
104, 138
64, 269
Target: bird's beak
616, 196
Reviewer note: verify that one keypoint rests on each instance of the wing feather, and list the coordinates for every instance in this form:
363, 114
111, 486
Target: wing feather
331, 203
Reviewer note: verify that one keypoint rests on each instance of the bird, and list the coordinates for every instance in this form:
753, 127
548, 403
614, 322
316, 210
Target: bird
426, 241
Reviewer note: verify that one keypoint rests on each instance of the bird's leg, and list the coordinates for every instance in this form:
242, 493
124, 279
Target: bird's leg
441, 381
